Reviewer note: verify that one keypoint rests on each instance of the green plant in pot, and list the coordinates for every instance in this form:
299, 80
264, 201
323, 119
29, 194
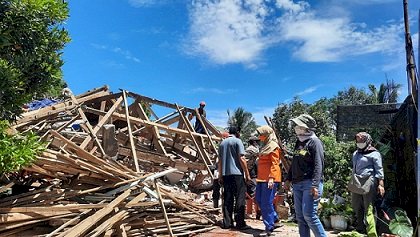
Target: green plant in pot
326, 210
340, 216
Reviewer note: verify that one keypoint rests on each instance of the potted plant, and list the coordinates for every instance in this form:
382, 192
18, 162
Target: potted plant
326, 210
340, 216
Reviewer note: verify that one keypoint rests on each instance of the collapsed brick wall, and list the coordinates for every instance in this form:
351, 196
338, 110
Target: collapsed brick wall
352, 119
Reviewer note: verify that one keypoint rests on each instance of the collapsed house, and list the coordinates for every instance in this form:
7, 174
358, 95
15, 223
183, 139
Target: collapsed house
109, 169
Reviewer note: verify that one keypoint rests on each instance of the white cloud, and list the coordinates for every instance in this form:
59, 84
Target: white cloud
212, 90
307, 91
117, 50
289, 5
218, 118
399, 60
144, 3
127, 54
334, 39
239, 31
228, 31
259, 114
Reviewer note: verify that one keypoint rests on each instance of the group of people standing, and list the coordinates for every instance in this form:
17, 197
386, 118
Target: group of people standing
236, 172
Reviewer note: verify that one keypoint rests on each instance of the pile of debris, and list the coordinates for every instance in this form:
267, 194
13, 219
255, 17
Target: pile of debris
107, 167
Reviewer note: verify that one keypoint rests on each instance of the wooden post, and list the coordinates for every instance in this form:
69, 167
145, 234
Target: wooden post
130, 135
163, 208
200, 151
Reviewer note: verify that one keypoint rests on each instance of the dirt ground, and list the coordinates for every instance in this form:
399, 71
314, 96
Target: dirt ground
288, 230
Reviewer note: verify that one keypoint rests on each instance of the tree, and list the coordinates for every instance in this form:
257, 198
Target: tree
17, 151
354, 96
282, 115
244, 121
388, 92
320, 110
31, 40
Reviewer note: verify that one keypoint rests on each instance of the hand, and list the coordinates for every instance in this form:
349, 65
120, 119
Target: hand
381, 190
314, 192
248, 179
270, 183
286, 185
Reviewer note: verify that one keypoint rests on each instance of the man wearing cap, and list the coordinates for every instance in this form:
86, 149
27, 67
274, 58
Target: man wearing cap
198, 127
306, 175
233, 175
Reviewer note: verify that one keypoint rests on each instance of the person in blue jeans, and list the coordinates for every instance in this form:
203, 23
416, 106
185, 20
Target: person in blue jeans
306, 174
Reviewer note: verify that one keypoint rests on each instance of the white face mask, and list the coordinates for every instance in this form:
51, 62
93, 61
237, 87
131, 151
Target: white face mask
300, 130
361, 145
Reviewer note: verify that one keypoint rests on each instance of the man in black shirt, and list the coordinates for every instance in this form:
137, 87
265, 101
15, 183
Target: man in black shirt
306, 175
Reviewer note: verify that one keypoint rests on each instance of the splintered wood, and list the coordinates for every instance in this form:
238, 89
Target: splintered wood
107, 168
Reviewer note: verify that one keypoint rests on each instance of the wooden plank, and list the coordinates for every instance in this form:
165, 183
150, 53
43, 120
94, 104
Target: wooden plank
68, 223
122, 233
102, 121
86, 224
34, 116
16, 225
137, 199
14, 232
149, 123
7, 186
153, 129
87, 124
103, 107
200, 151
157, 102
200, 118
50, 210
163, 208
109, 165
15, 217
130, 134
104, 226
185, 206
156, 158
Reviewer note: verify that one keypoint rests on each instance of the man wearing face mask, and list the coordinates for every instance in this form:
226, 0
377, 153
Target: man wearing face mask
367, 161
306, 175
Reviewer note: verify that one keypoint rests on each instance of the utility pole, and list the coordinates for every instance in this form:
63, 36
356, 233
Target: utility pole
411, 67
418, 134
414, 93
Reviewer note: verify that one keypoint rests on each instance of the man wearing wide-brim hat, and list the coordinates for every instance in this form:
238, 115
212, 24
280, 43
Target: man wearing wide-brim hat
306, 175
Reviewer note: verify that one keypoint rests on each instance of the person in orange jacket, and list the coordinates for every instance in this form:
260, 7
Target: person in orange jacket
268, 176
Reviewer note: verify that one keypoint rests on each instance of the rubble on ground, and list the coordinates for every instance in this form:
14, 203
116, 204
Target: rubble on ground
111, 167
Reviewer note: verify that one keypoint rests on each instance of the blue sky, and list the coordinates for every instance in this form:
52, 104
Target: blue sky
253, 54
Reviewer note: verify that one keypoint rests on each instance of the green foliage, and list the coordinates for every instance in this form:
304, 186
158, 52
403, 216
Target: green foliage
17, 151
329, 208
350, 234
11, 96
320, 111
387, 93
31, 40
401, 225
244, 121
282, 115
338, 165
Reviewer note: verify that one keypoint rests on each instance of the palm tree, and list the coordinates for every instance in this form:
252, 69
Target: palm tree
388, 92
244, 121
